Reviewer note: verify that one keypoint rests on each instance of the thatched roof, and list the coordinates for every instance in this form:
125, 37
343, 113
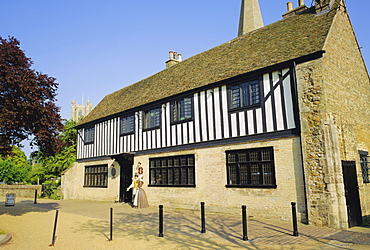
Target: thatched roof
287, 39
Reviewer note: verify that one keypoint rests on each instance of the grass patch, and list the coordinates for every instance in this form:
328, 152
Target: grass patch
2, 232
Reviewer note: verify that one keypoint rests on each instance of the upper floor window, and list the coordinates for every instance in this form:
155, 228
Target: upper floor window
182, 110
89, 135
172, 171
152, 118
365, 166
245, 94
251, 168
127, 124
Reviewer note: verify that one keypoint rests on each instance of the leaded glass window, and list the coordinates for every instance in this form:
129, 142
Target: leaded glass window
251, 167
365, 166
127, 124
89, 135
182, 110
152, 118
172, 171
245, 94
96, 176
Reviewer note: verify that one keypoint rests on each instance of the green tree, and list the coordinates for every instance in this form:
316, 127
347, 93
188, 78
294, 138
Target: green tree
69, 134
27, 103
52, 166
14, 168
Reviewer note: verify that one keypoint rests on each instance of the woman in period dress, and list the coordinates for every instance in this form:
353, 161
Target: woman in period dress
140, 199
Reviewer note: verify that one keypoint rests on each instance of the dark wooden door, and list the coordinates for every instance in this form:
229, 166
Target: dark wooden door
125, 178
351, 191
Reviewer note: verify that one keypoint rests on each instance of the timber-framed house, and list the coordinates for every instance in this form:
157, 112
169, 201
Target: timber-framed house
268, 118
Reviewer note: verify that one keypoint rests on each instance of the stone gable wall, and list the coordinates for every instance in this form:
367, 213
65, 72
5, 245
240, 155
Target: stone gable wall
347, 92
334, 110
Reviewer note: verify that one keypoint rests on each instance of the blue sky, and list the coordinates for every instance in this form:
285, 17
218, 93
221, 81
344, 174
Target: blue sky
96, 47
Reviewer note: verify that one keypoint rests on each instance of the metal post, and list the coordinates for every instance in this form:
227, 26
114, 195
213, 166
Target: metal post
295, 225
55, 229
160, 221
244, 218
111, 224
203, 218
35, 200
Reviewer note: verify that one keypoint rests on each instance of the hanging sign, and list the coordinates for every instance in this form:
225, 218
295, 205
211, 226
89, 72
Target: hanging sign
140, 170
10, 200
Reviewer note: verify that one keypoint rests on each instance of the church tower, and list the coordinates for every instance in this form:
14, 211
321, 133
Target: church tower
78, 111
250, 17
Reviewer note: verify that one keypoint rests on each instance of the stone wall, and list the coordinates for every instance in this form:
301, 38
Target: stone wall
211, 180
26, 191
72, 185
334, 112
347, 93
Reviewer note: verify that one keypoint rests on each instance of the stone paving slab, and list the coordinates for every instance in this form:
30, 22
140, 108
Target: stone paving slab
351, 237
85, 225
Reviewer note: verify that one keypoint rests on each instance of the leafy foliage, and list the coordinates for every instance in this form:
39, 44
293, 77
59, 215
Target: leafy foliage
53, 166
15, 167
69, 134
27, 103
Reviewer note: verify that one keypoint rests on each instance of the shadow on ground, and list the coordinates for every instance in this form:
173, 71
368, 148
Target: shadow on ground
179, 228
27, 206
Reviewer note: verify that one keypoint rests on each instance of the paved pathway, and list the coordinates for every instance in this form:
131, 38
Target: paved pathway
85, 225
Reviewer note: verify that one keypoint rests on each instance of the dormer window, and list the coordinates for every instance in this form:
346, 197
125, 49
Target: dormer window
245, 94
182, 110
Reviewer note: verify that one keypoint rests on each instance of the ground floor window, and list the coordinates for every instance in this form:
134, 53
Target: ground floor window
365, 166
251, 167
172, 171
96, 176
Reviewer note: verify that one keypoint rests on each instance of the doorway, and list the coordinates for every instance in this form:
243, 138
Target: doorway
351, 192
125, 162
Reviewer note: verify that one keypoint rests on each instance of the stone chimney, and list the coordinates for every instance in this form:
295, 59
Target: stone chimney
250, 17
174, 58
301, 9
290, 6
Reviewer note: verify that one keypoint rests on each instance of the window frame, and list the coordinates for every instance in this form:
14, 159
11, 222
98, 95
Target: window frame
125, 120
244, 91
180, 110
153, 124
365, 166
89, 135
96, 176
170, 167
246, 164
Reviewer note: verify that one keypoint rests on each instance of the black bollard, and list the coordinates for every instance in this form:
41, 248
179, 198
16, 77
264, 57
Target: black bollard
244, 218
35, 201
203, 218
111, 224
160, 221
295, 225
55, 229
